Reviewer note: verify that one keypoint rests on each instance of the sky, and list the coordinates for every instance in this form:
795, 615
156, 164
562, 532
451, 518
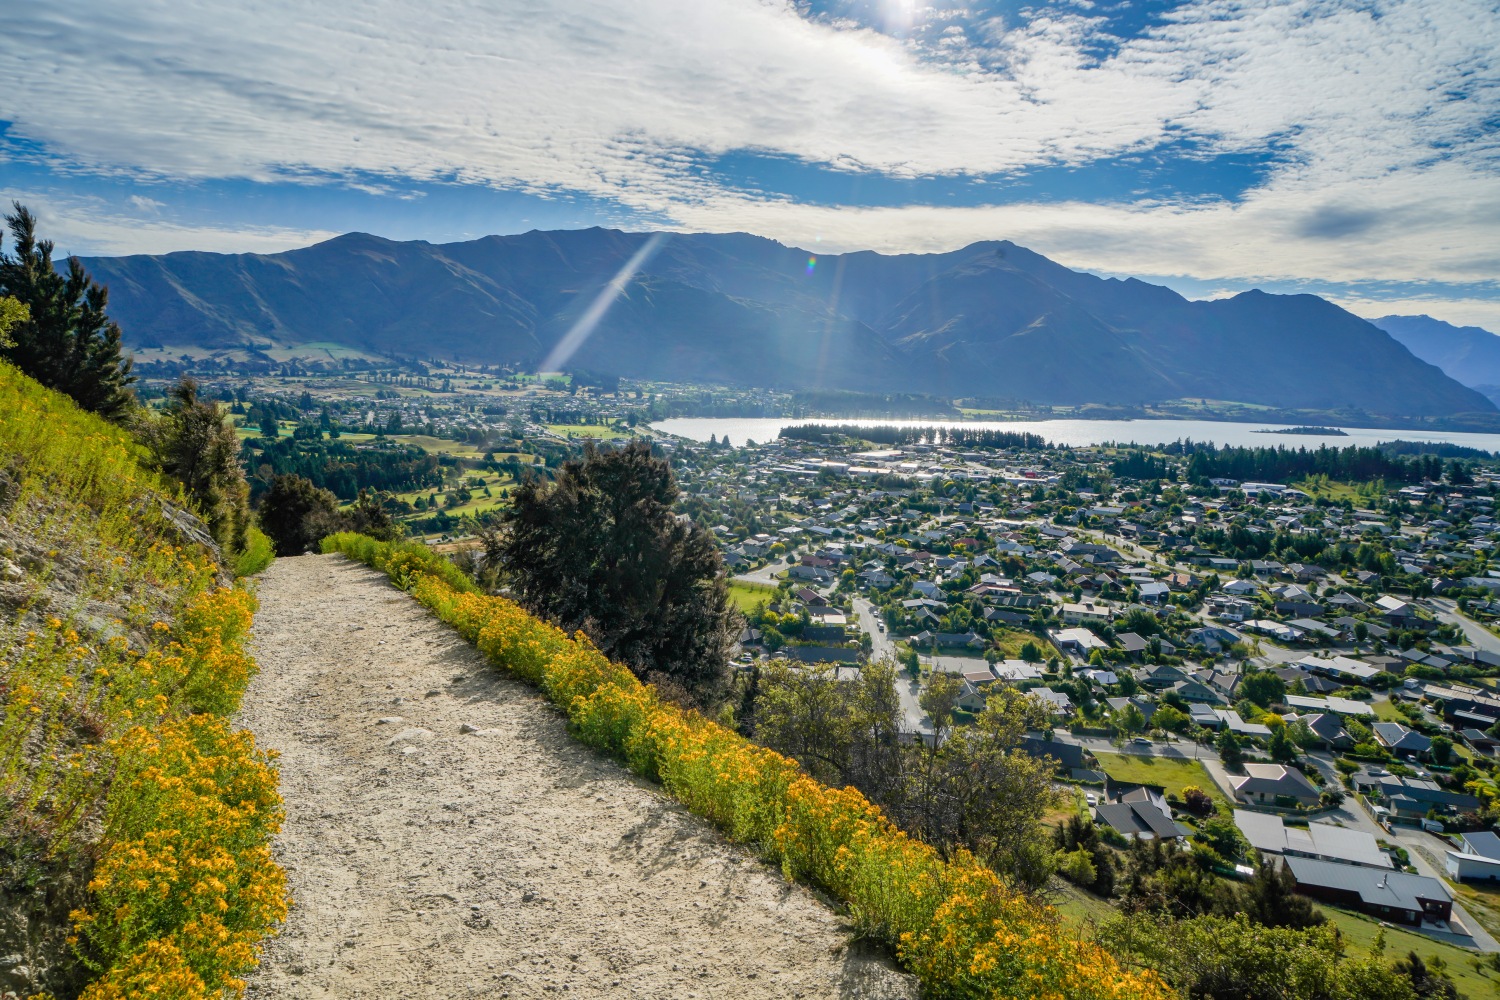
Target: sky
1348, 148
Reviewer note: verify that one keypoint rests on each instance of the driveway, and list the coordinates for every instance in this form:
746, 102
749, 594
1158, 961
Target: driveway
768, 575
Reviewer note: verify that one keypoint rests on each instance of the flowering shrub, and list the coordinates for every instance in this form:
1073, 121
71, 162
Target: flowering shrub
955, 925
113, 741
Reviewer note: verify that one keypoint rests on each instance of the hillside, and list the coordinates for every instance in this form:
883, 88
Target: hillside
1467, 354
992, 319
122, 654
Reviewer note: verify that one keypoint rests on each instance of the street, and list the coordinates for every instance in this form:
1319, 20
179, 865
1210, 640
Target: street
1447, 611
884, 648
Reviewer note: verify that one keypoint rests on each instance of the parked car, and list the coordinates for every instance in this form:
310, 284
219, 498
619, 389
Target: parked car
1141, 741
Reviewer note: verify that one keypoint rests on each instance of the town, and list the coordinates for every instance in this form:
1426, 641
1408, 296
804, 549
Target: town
1299, 665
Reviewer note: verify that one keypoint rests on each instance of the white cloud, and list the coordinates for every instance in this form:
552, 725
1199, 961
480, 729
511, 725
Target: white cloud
91, 227
1384, 173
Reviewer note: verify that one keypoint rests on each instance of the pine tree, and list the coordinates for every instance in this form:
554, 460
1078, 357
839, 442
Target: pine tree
68, 342
602, 550
192, 443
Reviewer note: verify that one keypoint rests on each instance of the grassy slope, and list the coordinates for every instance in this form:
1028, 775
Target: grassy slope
122, 659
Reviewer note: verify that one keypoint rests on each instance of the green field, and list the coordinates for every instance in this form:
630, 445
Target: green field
1170, 773
746, 596
599, 432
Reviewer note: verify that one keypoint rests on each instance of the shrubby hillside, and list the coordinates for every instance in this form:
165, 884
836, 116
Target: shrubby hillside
134, 818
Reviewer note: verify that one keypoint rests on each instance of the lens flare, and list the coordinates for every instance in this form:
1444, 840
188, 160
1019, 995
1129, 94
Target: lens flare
812, 262
584, 327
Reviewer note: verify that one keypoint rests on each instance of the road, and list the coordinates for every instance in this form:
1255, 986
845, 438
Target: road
883, 647
1447, 611
1180, 749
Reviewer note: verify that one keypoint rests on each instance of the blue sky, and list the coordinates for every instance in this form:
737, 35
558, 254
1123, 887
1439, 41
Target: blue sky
1345, 147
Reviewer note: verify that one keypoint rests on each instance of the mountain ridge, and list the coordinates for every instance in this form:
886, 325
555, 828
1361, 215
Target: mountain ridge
1470, 355
991, 319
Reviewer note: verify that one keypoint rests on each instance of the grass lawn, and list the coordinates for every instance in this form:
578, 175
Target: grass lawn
1360, 931
1169, 772
1080, 908
746, 596
1387, 712
597, 431
1011, 640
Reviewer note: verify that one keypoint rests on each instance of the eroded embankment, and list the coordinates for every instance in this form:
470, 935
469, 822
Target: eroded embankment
428, 861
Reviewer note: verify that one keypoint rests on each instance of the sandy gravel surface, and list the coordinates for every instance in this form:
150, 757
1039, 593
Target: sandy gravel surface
509, 862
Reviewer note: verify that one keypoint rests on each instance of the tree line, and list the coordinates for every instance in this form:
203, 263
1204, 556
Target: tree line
1355, 463
933, 434
342, 468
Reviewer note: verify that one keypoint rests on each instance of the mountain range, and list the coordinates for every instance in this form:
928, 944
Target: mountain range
993, 319
1467, 354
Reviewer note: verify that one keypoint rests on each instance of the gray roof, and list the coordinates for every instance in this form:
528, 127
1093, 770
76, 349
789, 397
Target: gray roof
1138, 818
1320, 840
1399, 890
1483, 843
1398, 788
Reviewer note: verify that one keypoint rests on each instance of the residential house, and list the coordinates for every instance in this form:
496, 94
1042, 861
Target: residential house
1329, 730
1194, 691
1394, 896
1068, 755
926, 639
1163, 675
1079, 641
1059, 702
1414, 798
1476, 860
1154, 593
1400, 740
1085, 612
1269, 834
1212, 638
1140, 814
1272, 784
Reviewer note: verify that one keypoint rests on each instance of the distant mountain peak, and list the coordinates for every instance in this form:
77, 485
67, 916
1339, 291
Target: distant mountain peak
993, 319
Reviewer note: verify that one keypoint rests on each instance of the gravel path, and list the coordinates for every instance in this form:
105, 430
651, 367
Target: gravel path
508, 862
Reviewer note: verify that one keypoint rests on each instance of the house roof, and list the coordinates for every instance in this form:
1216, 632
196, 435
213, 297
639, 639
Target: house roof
1398, 890
1274, 779
1483, 843
1398, 737
1324, 840
1138, 817
1400, 788
1068, 754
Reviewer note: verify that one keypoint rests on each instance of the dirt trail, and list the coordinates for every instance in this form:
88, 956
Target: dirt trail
512, 861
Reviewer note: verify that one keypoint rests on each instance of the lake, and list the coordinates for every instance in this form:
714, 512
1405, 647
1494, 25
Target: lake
1083, 432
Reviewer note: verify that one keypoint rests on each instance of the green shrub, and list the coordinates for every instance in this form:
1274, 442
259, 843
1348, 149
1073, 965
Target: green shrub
256, 555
